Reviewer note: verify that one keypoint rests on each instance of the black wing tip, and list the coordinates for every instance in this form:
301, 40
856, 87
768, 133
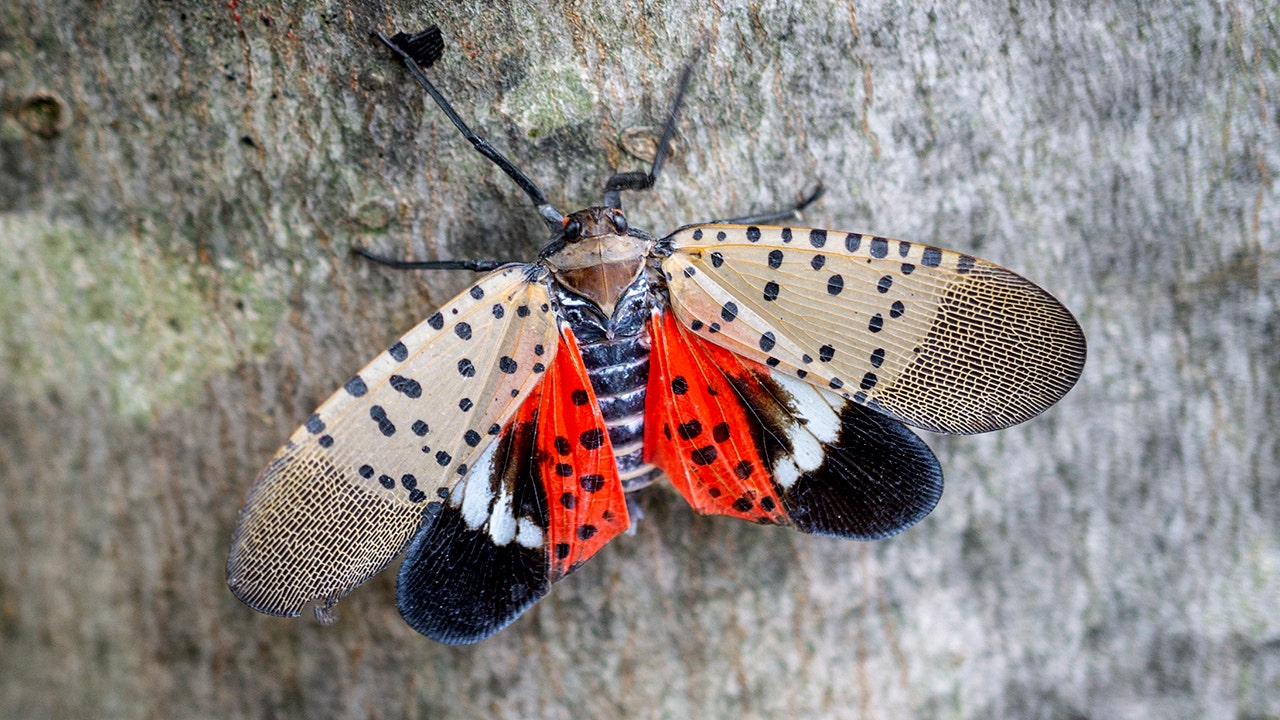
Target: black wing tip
878, 480
457, 587
425, 47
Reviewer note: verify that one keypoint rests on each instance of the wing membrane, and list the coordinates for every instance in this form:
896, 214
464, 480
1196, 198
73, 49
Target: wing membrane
348, 490
936, 339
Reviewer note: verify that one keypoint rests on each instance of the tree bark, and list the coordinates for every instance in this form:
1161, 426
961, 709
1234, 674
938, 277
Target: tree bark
181, 185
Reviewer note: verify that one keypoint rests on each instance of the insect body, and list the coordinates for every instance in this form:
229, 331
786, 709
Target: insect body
768, 371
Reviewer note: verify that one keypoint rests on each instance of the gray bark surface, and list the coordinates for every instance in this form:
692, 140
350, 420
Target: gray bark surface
180, 187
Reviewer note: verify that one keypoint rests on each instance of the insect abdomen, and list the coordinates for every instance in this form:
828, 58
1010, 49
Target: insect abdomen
619, 372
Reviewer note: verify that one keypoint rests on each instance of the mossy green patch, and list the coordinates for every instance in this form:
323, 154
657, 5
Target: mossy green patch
549, 99
112, 320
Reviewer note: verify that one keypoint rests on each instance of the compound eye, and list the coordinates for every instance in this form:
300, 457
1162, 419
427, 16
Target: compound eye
620, 223
572, 228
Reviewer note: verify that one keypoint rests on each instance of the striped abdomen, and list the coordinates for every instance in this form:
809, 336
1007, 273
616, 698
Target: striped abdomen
619, 372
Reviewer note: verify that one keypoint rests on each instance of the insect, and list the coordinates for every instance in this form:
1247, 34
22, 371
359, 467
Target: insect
768, 371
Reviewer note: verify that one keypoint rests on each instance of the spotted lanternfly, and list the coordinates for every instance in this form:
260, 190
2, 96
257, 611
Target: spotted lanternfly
769, 371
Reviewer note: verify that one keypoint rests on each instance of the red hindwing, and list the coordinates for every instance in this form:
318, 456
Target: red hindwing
699, 431
586, 507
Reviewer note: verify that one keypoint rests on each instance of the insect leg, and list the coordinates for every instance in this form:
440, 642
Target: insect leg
552, 216
641, 180
477, 265
791, 213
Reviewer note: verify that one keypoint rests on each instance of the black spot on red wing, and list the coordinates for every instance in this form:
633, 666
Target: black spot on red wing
568, 501
399, 352
720, 432
562, 445
579, 397
767, 504
586, 532
679, 385
591, 439
591, 483
564, 470
743, 504
689, 430
743, 469
714, 492
771, 291
562, 551
420, 428
436, 321
775, 259
852, 242
704, 455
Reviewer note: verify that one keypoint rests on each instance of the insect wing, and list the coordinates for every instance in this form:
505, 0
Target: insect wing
536, 505
936, 339
349, 489
737, 438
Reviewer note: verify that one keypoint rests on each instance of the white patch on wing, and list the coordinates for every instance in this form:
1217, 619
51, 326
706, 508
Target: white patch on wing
528, 534
822, 421
785, 473
502, 521
477, 492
